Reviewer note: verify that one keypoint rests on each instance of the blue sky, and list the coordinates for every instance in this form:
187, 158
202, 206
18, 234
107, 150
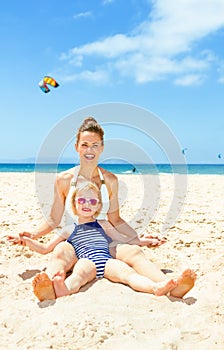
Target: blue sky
163, 56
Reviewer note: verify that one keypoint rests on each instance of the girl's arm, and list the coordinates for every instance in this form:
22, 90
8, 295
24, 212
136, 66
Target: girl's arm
44, 248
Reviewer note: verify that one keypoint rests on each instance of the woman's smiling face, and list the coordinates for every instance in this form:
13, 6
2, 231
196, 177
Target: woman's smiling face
90, 146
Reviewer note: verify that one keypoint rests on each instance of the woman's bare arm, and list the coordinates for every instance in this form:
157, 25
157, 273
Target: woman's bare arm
114, 214
61, 188
115, 235
122, 226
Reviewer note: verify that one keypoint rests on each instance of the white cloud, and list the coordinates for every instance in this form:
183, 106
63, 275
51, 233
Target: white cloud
165, 44
188, 80
110, 47
97, 77
105, 2
82, 15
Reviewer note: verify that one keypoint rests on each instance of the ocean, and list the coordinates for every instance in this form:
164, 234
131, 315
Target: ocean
206, 169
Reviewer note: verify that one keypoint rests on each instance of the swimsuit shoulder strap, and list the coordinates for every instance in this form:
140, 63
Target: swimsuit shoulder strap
76, 173
101, 176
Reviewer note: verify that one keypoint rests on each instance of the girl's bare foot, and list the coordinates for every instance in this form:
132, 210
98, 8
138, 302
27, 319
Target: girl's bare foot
184, 283
43, 287
59, 284
162, 288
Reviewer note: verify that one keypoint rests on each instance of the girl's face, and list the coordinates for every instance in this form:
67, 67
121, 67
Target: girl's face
86, 203
89, 147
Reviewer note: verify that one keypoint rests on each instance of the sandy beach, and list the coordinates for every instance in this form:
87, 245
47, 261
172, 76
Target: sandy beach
105, 315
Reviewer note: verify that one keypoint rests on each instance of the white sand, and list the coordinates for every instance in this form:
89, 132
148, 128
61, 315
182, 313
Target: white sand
109, 316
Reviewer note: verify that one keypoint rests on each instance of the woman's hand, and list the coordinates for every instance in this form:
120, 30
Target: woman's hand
151, 241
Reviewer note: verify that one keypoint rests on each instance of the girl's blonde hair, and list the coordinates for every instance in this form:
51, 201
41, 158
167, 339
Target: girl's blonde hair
85, 186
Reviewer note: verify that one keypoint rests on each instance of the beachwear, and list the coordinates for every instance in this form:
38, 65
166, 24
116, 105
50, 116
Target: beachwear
90, 241
70, 216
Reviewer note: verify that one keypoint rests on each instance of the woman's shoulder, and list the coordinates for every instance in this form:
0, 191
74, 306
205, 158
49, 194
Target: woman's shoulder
66, 175
63, 180
108, 176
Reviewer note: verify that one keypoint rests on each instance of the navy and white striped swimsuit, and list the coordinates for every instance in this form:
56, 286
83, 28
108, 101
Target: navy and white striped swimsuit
90, 241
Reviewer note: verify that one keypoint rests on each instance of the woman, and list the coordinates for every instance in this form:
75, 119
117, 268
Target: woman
90, 145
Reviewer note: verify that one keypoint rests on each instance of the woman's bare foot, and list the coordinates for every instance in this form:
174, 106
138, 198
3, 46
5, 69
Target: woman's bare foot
162, 288
184, 284
43, 287
59, 284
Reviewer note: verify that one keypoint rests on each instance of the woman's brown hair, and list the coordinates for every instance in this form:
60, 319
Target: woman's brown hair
90, 124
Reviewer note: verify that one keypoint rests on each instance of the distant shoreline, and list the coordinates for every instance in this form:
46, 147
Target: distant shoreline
207, 169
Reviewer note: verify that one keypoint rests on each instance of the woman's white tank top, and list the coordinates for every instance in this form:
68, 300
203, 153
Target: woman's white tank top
70, 217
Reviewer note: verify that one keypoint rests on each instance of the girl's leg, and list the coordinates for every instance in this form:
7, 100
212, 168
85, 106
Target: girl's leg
63, 258
83, 272
118, 271
134, 257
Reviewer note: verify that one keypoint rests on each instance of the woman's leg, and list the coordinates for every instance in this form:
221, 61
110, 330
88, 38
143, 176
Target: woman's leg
134, 257
84, 271
120, 272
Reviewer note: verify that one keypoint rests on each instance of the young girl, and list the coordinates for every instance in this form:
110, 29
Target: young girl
91, 239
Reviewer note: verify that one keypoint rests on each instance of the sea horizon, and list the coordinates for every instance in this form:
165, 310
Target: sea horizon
209, 169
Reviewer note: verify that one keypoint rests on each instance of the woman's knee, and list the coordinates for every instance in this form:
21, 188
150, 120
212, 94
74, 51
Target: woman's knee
128, 253
117, 271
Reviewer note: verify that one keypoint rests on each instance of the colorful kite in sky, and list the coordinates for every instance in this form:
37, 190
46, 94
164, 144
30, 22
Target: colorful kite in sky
47, 81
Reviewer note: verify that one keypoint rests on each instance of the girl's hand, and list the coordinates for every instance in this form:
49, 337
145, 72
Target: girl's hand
16, 240
13, 239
